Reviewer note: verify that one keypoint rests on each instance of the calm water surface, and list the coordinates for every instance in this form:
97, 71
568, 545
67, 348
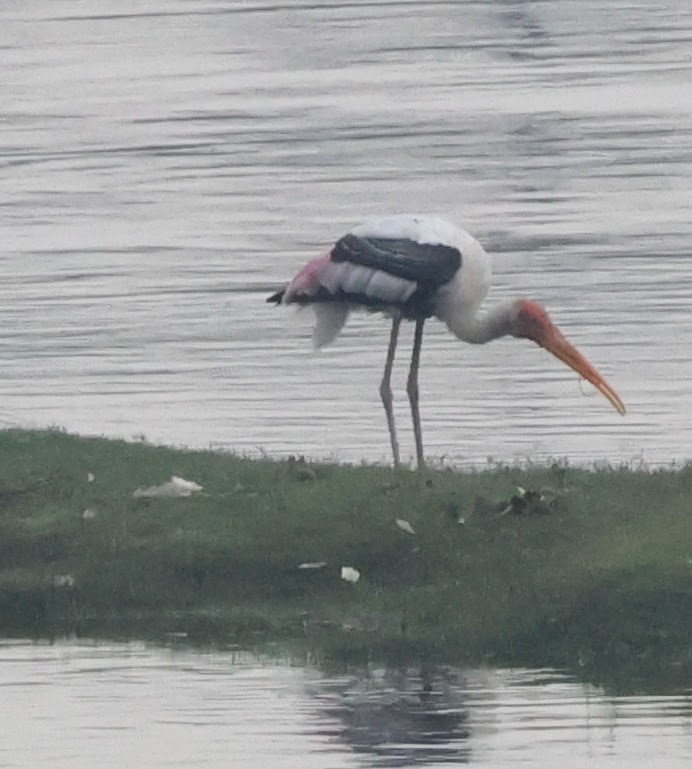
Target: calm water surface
166, 164
78, 705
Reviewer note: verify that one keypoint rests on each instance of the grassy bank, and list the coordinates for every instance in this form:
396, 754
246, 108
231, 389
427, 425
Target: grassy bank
598, 572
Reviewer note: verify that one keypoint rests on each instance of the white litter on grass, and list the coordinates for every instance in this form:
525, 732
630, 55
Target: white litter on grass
176, 487
90, 477
89, 514
349, 574
312, 565
63, 580
404, 526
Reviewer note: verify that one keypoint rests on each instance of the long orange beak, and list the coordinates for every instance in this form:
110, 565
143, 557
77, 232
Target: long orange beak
556, 343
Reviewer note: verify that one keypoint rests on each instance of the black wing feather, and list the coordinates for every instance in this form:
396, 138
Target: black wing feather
425, 263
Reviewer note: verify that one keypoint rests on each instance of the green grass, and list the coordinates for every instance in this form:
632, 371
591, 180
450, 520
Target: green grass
601, 578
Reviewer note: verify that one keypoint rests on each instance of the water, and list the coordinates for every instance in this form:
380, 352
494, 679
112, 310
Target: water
166, 164
84, 705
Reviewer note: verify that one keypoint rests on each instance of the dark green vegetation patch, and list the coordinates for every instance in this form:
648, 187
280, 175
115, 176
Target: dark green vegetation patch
542, 566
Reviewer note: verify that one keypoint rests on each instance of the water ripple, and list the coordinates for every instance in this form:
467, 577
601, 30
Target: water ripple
159, 194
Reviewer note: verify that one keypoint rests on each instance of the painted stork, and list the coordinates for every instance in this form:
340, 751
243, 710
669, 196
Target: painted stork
415, 267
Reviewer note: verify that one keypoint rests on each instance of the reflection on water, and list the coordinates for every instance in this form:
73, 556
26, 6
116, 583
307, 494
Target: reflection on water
398, 717
169, 163
83, 705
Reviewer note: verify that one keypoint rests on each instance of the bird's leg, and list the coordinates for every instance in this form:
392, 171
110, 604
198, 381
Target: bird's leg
386, 389
412, 390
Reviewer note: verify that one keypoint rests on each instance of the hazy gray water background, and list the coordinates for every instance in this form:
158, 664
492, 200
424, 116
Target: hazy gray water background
164, 164
70, 706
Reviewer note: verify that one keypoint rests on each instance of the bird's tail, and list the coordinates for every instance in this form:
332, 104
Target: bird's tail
277, 297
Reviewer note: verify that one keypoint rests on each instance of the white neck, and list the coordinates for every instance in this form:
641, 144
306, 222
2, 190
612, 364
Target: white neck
481, 328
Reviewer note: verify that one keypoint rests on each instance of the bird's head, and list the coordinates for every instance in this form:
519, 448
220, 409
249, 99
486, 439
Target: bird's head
530, 320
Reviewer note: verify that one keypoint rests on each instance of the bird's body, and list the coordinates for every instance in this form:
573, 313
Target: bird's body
414, 267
